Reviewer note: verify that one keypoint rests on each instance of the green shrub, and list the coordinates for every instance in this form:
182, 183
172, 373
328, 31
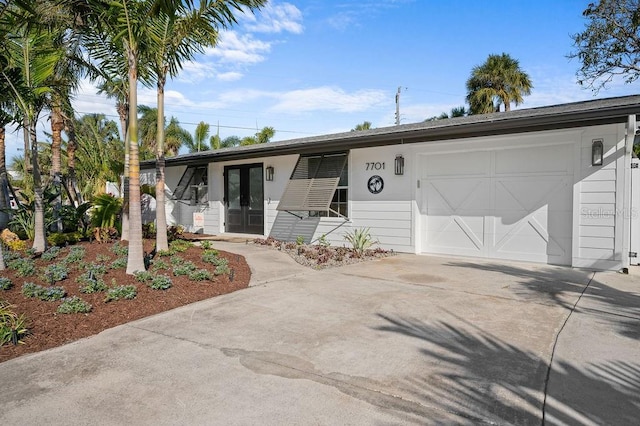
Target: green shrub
120, 262
159, 264
10, 255
76, 254
184, 269
210, 256
105, 210
103, 258
176, 260
360, 240
5, 283
51, 254
54, 273
200, 275
13, 327
299, 240
24, 267
222, 266
164, 253
206, 245
93, 286
121, 292
142, 276
174, 232
119, 250
96, 268
47, 294
149, 230
59, 239
30, 289
160, 282
179, 246
73, 305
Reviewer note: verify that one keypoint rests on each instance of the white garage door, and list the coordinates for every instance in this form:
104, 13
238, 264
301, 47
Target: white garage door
506, 204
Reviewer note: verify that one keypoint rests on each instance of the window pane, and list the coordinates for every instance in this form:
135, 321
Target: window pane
256, 199
233, 176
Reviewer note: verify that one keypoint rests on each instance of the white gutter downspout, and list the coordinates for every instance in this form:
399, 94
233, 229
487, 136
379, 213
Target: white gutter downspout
626, 207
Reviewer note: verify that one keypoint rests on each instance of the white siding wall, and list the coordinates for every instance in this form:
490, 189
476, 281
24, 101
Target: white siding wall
598, 197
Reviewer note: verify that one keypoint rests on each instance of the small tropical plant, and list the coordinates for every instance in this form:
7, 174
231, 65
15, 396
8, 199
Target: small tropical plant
210, 256
119, 263
73, 305
299, 240
200, 275
46, 294
184, 269
24, 267
206, 245
127, 292
360, 240
143, 276
160, 282
323, 242
179, 246
54, 273
93, 286
105, 210
51, 254
222, 266
76, 254
13, 327
119, 249
159, 264
5, 283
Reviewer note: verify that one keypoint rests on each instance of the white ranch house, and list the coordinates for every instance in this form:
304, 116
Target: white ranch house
550, 185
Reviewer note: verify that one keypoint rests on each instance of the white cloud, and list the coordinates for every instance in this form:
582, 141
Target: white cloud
194, 72
239, 49
276, 18
328, 99
230, 76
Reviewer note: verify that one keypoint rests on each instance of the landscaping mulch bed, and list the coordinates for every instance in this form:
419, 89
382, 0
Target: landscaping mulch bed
48, 329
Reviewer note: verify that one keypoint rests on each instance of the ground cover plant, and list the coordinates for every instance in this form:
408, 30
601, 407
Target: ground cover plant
73, 292
319, 254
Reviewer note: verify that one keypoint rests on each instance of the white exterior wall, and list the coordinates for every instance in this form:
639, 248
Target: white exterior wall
599, 213
395, 217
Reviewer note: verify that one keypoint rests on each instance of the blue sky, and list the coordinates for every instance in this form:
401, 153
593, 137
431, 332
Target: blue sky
313, 67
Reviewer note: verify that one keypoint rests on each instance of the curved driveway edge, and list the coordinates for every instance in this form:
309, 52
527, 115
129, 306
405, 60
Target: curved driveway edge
404, 340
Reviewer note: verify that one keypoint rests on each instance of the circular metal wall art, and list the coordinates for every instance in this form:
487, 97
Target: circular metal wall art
375, 184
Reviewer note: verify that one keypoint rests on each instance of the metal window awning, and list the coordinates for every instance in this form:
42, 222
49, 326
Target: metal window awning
313, 184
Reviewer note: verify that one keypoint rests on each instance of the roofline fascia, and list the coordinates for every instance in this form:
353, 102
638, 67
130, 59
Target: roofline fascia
493, 126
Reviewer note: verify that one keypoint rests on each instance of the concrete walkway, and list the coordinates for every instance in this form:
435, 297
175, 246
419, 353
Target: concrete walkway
404, 340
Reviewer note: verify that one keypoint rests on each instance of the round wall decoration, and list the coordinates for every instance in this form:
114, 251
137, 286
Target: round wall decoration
375, 184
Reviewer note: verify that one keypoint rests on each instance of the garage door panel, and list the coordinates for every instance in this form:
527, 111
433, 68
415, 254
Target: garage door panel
534, 160
457, 165
456, 195
464, 234
519, 217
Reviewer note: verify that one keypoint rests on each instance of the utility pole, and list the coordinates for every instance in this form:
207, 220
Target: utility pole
398, 106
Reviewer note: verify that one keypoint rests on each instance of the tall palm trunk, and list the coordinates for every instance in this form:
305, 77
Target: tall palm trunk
4, 182
161, 214
57, 126
135, 258
123, 113
39, 239
72, 146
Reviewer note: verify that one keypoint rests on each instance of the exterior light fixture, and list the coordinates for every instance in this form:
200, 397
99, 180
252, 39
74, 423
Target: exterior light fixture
268, 173
399, 169
597, 152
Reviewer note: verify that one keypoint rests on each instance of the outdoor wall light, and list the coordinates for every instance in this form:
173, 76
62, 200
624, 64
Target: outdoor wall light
597, 152
268, 173
399, 165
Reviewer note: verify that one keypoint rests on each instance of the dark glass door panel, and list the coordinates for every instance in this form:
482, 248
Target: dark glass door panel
244, 199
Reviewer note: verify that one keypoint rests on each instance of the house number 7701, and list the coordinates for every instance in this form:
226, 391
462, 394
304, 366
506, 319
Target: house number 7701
375, 166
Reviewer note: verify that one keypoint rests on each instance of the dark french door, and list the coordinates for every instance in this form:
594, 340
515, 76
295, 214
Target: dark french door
244, 199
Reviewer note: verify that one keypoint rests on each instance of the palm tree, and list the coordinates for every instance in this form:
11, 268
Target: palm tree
175, 136
31, 57
499, 81
365, 125
262, 136
100, 153
176, 36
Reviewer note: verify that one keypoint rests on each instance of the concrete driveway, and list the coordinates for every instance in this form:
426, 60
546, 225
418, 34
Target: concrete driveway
405, 340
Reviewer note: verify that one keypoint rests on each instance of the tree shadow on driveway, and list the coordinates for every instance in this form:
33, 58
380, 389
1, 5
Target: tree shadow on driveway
483, 379
563, 286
